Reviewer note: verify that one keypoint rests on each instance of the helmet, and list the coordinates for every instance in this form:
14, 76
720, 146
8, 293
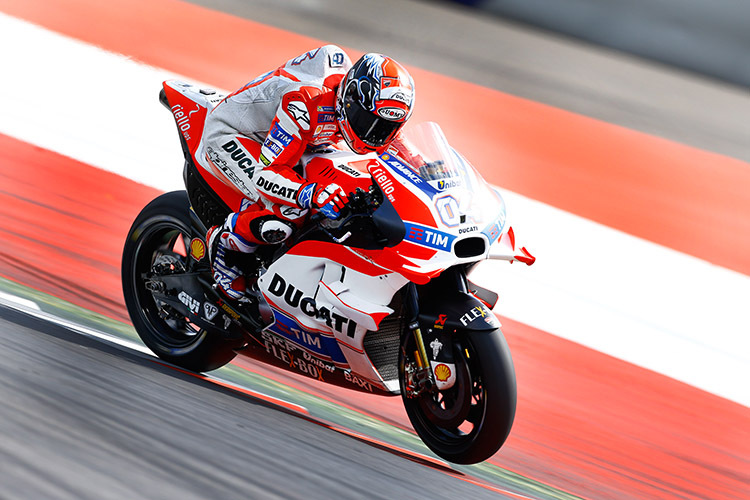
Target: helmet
373, 102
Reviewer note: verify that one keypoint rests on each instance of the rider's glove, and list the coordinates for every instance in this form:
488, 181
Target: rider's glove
328, 199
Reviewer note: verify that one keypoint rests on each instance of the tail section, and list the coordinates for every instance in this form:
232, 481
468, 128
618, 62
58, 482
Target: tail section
189, 105
212, 196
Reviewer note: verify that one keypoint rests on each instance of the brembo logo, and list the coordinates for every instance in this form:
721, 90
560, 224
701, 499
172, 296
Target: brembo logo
294, 298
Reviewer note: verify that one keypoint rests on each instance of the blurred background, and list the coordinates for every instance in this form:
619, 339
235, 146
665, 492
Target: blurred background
618, 133
677, 69
707, 37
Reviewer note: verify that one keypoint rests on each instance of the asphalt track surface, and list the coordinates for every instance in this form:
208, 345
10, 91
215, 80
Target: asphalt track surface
85, 420
77, 405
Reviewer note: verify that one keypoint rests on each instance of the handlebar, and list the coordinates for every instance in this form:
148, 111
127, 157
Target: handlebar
360, 202
366, 221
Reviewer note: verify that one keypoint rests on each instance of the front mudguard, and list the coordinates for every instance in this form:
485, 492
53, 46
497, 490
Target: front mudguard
456, 313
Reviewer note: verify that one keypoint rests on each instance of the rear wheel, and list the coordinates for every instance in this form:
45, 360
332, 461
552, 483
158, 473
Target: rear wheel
469, 422
156, 246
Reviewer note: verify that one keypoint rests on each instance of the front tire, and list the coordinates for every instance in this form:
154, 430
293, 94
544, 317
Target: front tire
159, 237
468, 423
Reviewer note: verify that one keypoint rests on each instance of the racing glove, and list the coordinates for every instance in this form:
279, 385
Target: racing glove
328, 199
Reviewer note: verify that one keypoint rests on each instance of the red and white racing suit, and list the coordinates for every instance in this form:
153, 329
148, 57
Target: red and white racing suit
256, 136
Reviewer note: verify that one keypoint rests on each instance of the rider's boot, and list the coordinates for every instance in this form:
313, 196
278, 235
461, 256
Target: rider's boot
224, 247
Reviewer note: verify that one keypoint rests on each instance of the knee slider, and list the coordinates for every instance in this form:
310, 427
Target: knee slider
274, 231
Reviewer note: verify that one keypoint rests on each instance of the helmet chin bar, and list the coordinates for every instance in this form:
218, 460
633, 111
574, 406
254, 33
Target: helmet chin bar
364, 149
348, 140
355, 143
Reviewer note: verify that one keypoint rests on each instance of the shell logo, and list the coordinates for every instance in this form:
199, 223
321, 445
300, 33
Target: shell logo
197, 248
442, 372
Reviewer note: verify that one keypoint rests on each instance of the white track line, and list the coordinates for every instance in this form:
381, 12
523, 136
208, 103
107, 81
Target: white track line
624, 296
30, 308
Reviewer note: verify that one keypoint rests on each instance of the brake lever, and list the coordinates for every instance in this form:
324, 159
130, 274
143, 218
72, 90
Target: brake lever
360, 201
342, 239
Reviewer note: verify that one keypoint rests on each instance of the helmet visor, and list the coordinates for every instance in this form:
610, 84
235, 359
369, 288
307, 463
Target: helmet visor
369, 127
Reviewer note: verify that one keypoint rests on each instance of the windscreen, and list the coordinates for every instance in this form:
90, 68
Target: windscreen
427, 152
459, 193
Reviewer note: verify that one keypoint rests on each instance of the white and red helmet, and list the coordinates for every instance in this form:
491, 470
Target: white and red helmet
374, 101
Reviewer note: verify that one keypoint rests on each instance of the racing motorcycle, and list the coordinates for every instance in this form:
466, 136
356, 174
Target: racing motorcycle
377, 300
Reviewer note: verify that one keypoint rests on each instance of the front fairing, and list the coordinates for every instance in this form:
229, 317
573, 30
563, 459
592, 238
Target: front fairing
451, 214
333, 288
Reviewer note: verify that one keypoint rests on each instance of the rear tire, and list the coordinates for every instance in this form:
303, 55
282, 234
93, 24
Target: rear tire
468, 423
154, 235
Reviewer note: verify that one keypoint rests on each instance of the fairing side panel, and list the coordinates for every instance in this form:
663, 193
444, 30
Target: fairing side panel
319, 293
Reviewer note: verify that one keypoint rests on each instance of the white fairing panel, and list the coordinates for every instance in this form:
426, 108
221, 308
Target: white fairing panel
333, 305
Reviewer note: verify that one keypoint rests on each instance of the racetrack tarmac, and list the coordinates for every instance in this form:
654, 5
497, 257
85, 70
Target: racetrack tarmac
85, 420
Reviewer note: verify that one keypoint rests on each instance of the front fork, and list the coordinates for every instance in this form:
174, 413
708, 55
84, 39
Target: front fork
448, 308
418, 374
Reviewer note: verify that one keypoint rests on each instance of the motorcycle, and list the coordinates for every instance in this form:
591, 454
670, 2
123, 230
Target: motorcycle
376, 301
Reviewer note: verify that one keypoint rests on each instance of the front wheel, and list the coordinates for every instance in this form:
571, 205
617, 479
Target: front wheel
156, 246
469, 422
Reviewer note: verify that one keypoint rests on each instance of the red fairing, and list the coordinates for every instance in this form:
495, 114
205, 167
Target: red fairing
351, 258
409, 205
525, 257
189, 116
354, 175
363, 261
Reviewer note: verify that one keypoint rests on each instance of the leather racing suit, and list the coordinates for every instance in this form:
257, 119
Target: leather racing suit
255, 137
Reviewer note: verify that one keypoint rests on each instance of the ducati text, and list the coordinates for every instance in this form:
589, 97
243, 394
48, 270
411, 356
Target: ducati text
294, 298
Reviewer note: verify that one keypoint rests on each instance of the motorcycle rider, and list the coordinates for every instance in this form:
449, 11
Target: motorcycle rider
257, 135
